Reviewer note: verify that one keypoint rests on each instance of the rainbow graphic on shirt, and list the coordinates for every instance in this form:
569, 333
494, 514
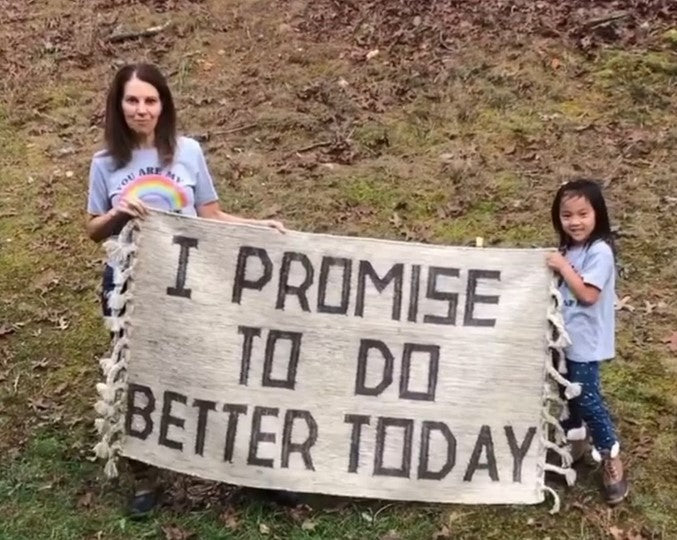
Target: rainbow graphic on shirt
158, 192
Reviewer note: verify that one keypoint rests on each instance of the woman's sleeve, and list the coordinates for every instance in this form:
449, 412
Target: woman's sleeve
98, 202
204, 185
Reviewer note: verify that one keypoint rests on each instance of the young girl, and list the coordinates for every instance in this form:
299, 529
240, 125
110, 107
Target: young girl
586, 266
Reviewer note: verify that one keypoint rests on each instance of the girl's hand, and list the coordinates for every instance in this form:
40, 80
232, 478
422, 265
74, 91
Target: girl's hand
132, 207
556, 261
277, 225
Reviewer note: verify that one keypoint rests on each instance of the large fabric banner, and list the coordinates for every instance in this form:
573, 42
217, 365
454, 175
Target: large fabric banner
346, 366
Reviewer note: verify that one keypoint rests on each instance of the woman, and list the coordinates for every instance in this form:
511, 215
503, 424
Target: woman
140, 133
141, 139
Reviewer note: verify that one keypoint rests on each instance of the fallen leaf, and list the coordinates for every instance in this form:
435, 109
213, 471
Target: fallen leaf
40, 364
634, 534
616, 533
44, 204
72, 422
46, 280
173, 532
66, 151
271, 211
41, 403
555, 63
230, 518
367, 517
61, 388
308, 525
63, 323
671, 341
372, 54
300, 513
86, 500
623, 304
5, 330
264, 529
450, 210
643, 447
392, 534
443, 534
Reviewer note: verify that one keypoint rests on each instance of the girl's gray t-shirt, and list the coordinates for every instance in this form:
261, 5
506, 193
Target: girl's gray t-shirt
189, 169
591, 328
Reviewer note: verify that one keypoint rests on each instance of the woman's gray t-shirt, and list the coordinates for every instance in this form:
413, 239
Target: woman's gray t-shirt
189, 169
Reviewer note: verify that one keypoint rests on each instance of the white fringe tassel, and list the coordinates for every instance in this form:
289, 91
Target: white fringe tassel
563, 452
550, 426
112, 390
571, 390
556, 502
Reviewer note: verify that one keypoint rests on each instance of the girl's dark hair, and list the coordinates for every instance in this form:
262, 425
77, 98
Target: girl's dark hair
590, 190
120, 139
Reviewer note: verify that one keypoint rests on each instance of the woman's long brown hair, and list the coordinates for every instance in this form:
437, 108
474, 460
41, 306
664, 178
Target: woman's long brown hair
120, 139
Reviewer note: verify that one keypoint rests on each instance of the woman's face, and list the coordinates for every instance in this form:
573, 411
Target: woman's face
141, 106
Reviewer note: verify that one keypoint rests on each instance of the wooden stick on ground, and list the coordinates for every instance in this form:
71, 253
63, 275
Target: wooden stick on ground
233, 130
148, 32
312, 147
594, 23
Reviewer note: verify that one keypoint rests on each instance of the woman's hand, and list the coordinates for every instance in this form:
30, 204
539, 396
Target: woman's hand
271, 223
556, 261
132, 207
212, 210
99, 227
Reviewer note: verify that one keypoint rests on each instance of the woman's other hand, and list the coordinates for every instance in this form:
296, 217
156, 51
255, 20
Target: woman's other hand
132, 207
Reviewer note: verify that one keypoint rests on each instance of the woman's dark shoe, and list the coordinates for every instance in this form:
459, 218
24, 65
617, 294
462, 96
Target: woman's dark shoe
285, 498
144, 501
277, 496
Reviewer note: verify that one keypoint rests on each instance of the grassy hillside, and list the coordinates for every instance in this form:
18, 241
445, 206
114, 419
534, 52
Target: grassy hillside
396, 119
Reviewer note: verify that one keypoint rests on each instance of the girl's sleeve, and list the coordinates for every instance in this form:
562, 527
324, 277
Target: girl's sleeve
204, 185
97, 201
598, 266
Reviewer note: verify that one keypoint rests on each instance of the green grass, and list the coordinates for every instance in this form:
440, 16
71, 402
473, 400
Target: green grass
641, 82
50, 494
476, 153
